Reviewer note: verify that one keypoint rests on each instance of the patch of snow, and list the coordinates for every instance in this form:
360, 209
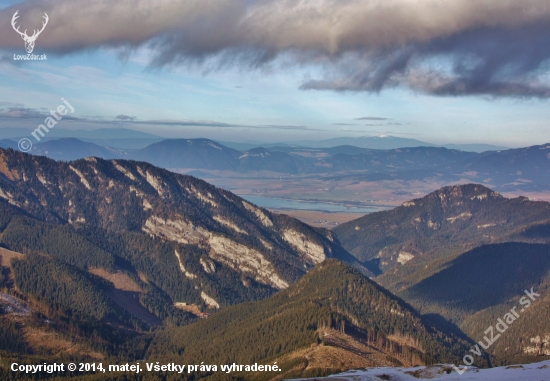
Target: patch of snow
528, 372
433, 225
13, 305
8, 196
147, 205
214, 145
126, 172
266, 244
480, 197
155, 183
138, 192
229, 224
208, 266
202, 197
461, 216
210, 301
404, 257
247, 154
182, 267
409, 203
82, 178
42, 179
261, 216
485, 226
539, 346
140, 171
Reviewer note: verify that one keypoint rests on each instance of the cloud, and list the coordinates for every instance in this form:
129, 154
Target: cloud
371, 118
125, 118
383, 124
213, 124
397, 133
11, 104
20, 113
29, 113
497, 48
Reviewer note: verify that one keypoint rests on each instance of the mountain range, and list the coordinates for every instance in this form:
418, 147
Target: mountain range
210, 232
467, 254
124, 138
121, 138
524, 169
392, 142
120, 259
99, 252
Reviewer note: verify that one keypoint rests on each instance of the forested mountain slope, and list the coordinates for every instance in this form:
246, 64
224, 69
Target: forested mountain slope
448, 221
143, 213
333, 309
108, 245
467, 254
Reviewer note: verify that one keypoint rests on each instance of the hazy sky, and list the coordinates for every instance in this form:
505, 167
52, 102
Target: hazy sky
443, 71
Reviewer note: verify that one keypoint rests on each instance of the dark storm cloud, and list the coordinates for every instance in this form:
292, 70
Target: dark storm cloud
497, 48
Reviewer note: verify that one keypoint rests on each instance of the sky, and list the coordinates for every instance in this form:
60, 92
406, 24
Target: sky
441, 71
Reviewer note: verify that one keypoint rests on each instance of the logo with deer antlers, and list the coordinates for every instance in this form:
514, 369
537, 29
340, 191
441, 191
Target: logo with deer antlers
29, 40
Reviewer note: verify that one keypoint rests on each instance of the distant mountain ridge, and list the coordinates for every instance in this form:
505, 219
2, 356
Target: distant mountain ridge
100, 133
371, 142
69, 149
525, 169
7, 143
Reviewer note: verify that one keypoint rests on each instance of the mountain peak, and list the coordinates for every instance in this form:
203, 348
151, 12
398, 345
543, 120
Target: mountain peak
421, 228
465, 192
